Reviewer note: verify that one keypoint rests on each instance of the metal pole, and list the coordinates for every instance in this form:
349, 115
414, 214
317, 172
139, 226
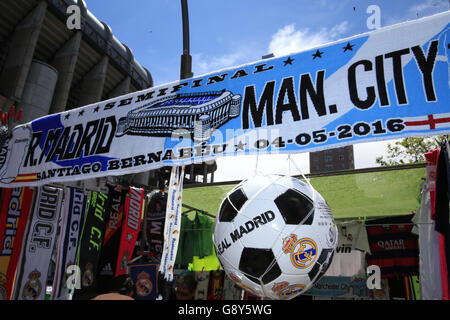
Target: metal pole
186, 59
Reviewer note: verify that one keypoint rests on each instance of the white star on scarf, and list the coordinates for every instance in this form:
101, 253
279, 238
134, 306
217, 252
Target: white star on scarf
129, 237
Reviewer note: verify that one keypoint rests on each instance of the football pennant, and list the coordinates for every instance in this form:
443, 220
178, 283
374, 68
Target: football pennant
130, 228
145, 277
386, 84
73, 211
15, 209
39, 244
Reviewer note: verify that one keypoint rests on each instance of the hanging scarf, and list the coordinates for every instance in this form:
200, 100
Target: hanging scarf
16, 206
130, 228
74, 208
172, 224
39, 244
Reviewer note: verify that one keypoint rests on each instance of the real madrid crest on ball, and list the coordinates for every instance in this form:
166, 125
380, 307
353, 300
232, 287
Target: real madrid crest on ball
275, 236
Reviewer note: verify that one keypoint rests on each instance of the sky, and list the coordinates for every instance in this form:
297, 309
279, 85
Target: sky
227, 33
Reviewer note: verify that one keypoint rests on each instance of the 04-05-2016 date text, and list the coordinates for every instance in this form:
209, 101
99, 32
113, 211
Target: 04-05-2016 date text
342, 132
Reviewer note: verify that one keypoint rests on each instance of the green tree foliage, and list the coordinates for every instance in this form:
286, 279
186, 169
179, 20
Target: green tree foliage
407, 151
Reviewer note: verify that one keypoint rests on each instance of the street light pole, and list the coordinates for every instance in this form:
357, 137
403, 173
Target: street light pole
186, 59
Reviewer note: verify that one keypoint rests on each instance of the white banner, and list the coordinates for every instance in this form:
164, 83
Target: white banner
172, 225
39, 244
386, 84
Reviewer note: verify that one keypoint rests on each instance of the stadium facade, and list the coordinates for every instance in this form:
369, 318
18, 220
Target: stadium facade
47, 66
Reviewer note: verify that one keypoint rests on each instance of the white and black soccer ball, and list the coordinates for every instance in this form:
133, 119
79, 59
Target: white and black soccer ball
275, 236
